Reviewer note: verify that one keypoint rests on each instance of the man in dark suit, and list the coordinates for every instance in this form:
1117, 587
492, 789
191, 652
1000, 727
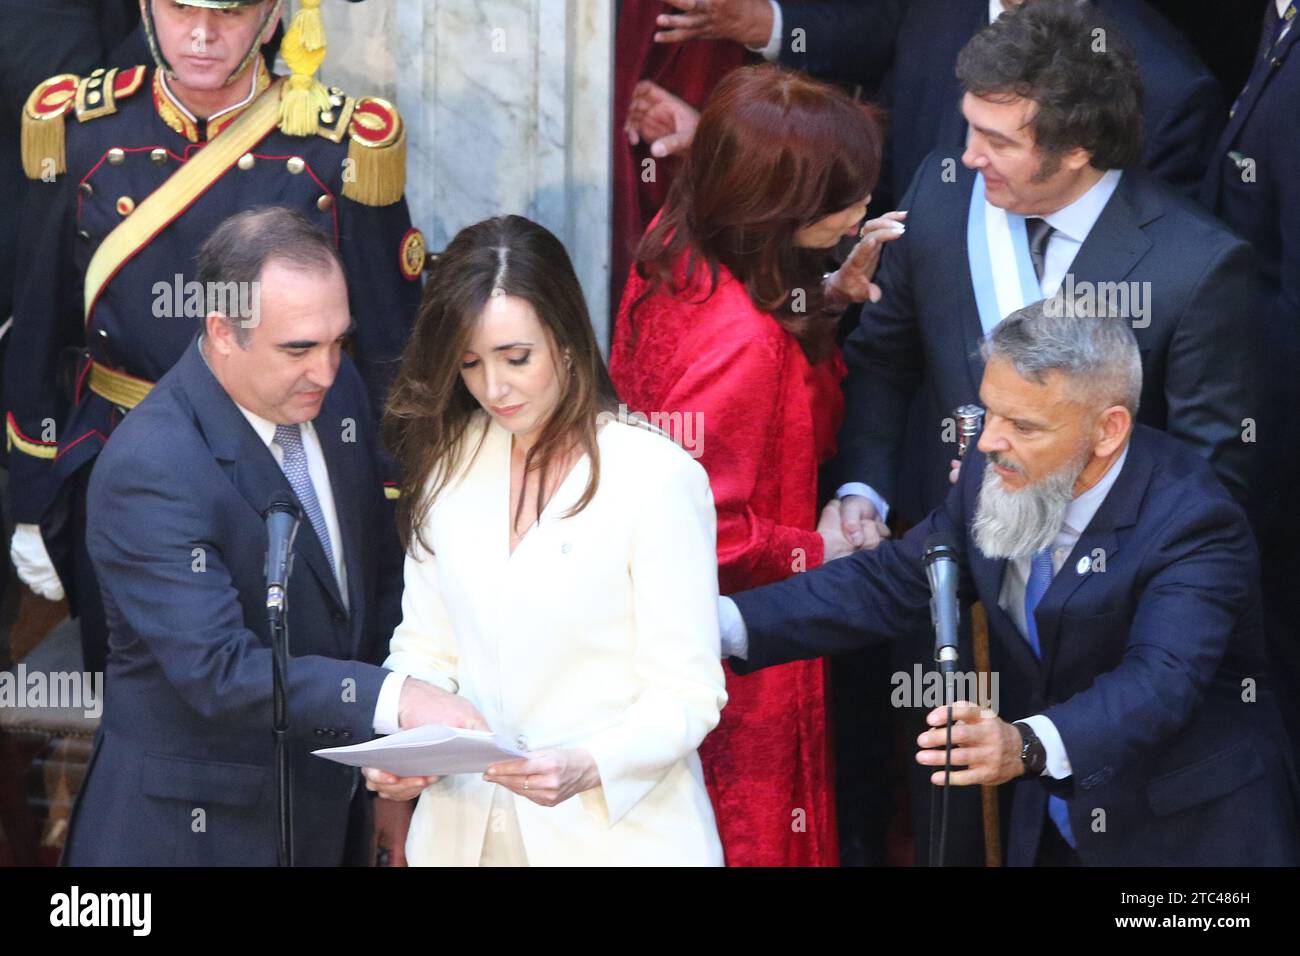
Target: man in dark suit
1120, 581
262, 404
1056, 166
1061, 164
1254, 185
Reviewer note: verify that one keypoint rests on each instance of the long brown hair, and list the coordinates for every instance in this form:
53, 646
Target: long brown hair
774, 151
429, 407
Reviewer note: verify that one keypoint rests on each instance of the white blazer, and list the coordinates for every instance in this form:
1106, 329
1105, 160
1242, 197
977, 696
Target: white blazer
600, 631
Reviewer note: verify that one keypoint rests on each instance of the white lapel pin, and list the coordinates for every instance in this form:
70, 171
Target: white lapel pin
1084, 565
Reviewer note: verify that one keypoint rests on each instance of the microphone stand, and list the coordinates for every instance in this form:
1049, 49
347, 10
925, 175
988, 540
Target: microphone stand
276, 608
969, 420
939, 809
282, 518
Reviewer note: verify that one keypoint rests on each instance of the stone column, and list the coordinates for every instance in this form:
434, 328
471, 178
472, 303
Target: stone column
508, 109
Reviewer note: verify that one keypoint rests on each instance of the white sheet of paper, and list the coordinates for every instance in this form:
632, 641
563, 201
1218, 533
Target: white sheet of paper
431, 750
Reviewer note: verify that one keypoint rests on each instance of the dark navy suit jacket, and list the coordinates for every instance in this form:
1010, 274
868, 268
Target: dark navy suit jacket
183, 766
847, 39
1254, 181
914, 356
1254, 185
1145, 670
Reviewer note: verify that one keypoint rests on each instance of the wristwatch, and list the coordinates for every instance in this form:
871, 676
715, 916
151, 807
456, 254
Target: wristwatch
1033, 755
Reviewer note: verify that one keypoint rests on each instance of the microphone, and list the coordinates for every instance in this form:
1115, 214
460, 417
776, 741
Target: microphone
282, 518
941, 570
969, 420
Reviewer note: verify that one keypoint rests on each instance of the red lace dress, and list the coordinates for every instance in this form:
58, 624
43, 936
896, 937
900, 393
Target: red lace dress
760, 420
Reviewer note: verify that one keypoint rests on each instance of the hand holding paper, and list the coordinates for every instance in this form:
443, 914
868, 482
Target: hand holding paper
401, 765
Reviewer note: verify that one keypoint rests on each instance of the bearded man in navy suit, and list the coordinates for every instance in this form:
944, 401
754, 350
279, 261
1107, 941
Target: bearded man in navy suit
1122, 588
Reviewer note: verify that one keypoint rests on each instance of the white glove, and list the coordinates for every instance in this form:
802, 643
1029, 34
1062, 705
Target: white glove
32, 562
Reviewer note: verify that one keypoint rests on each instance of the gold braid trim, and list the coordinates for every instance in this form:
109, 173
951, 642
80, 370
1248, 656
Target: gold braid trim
44, 132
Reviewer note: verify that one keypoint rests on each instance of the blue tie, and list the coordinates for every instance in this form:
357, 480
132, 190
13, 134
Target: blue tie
1040, 579
289, 438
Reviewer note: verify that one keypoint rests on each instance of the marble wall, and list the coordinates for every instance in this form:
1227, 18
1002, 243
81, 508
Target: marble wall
508, 106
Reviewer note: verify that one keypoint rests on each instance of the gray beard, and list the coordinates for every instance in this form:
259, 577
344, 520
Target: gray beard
1019, 524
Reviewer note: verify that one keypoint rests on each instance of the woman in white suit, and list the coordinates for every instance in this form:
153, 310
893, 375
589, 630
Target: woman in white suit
560, 575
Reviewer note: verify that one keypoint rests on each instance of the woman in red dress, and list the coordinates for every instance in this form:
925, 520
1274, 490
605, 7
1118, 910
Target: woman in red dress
726, 338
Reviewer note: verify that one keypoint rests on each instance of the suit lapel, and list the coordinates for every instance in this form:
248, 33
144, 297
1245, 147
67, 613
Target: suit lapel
340, 461
990, 577
1116, 243
1263, 71
1094, 541
1104, 536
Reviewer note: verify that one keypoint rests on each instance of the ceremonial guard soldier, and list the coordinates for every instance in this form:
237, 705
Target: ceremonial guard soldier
132, 169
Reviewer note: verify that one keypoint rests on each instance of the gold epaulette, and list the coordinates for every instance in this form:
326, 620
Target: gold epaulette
44, 140
376, 150
44, 146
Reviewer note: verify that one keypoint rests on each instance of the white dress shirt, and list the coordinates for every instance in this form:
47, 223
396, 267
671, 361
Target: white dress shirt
386, 707
772, 49
1071, 225
1079, 514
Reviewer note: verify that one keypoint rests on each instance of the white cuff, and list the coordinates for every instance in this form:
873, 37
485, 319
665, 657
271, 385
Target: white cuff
866, 491
1058, 762
735, 638
386, 707
773, 48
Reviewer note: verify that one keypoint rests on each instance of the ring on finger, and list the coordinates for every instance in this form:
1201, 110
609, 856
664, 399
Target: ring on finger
525, 783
